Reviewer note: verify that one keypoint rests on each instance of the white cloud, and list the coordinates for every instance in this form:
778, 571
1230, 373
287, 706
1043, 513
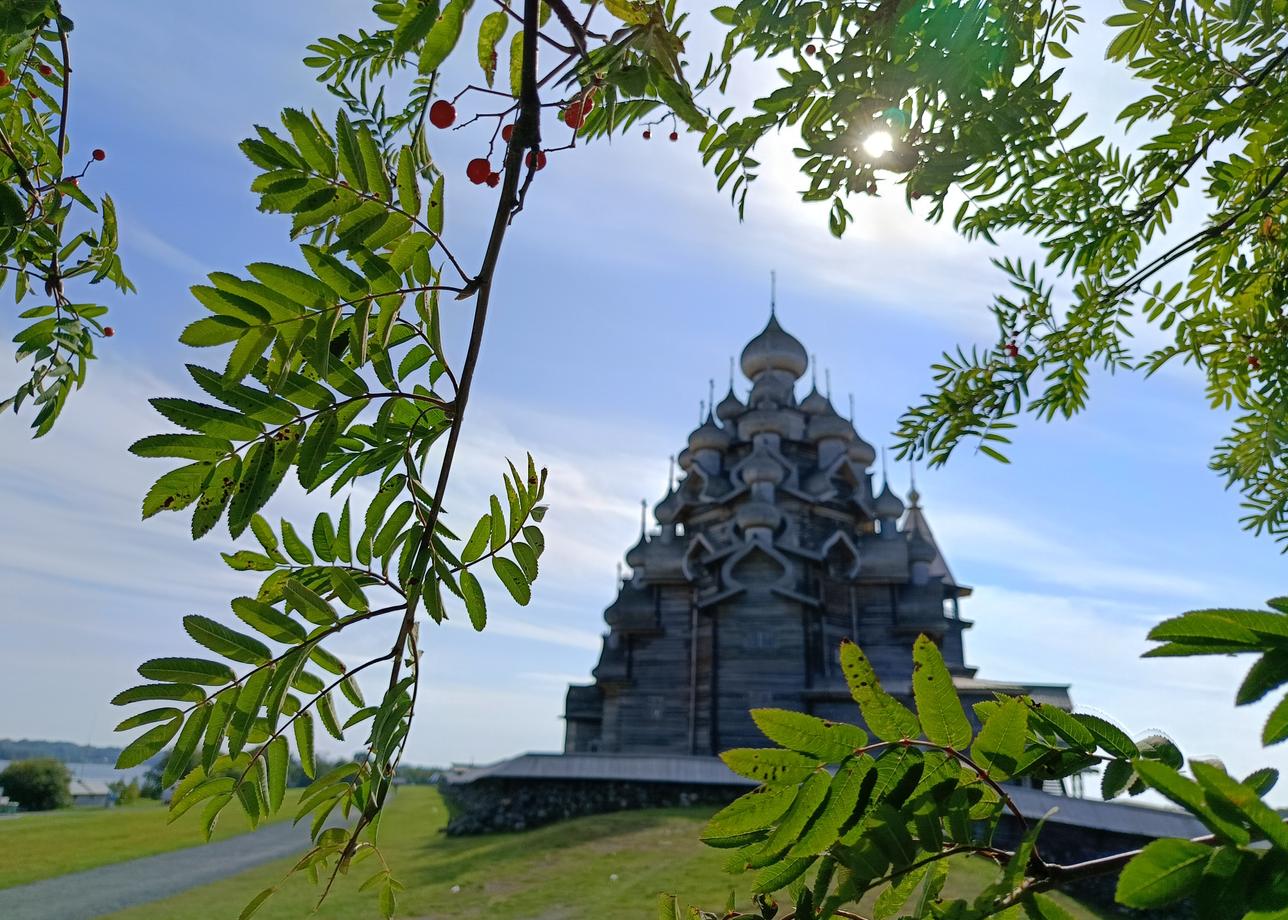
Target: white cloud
1095, 643
1005, 543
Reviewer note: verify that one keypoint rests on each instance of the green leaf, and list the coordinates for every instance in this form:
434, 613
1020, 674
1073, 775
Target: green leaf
512, 577
316, 151
315, 447
187, 671
442, 38
408, 183
809, 798
821, 738
1276, 727
758, 810
224, 641
1000, 745
186, 746
255, 487
1220, 785
413, 25
176, 489
296, 548
516, 64
782, 874
1164, 872
303, 727
311, 606
148, 744
147, 718
842, 803
186, 446
771, 766
278, 761
255, 903
187, 693
491, 30
1267, 673
886, 717
1189, 795
475, 603
938, 708
1109, 736
478, 541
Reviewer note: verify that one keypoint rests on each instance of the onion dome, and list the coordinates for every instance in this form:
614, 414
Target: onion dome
920, 549
684, 459
758, 514
815, 403
730, 407
888, 505
635, 555
861, 452
774, 350
760, 467
708, 436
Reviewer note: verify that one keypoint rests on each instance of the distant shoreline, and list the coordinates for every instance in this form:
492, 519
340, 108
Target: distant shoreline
66, 751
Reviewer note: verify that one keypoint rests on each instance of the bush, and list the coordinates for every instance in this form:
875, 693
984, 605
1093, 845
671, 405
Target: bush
38, 785
126, 793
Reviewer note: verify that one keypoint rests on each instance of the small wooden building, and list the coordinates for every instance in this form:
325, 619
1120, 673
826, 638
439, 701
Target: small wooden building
774, 545
91, 793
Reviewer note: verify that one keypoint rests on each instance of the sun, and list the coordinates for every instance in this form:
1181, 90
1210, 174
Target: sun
878, 144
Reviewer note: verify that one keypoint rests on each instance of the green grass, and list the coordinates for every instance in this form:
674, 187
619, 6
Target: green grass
561, 872
44, 844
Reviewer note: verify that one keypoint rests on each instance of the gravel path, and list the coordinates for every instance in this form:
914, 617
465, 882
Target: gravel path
95, 892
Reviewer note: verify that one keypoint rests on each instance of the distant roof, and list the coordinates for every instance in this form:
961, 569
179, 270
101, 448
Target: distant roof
89, 787
1122, 817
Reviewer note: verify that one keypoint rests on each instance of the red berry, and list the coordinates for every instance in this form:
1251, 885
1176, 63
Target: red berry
109, 331
647, 134
4, 77
46, 70
442, 113
493, 180
75, 182
810, 49
536, 160
507, 132
1254, 362
478, 170
675, 136
99, 154
574, 116
1012, 350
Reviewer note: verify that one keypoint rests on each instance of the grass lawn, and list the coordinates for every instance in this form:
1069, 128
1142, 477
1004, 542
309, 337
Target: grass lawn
45, 844
585, 869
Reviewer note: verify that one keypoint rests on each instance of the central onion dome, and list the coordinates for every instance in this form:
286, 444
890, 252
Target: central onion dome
709, 436
774, 350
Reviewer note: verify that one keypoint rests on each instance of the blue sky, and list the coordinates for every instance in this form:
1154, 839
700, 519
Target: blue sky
626, 284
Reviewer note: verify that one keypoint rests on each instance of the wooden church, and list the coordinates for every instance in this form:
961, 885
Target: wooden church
773, 546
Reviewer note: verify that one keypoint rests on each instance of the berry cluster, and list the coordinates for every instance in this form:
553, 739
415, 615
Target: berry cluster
443, 115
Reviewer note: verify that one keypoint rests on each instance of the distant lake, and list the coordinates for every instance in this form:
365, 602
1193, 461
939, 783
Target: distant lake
103, 772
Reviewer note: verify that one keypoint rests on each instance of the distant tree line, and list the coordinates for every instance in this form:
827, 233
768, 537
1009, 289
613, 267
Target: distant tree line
66, 751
